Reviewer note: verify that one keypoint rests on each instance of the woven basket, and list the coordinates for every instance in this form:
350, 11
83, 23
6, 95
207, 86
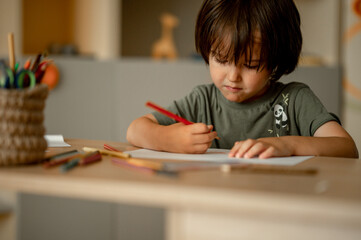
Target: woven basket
21, 125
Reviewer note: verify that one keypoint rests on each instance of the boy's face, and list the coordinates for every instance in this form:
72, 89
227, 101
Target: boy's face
241, 83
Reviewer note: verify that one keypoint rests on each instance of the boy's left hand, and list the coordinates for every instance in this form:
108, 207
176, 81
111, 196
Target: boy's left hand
262, 147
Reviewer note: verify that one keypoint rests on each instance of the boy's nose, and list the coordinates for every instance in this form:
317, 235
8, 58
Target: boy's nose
234, 74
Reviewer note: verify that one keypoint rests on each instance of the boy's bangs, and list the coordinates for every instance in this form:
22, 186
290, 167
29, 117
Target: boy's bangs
222, 47
234, 45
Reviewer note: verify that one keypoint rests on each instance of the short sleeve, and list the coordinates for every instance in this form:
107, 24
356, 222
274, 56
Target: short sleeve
310, 112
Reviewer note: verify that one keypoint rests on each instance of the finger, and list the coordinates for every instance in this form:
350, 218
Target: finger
255, 150
178, 124
233, 150
200, 148
242, 147
210, 127
206, 138
198, 128
269, 152
236, 149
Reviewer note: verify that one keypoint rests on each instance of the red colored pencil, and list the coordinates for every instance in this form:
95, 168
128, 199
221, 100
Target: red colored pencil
170, 114
110, 148
167, 113
90, 158
56, 162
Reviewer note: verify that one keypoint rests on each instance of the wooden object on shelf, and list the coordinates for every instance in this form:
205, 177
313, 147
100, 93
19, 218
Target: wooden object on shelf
165, 47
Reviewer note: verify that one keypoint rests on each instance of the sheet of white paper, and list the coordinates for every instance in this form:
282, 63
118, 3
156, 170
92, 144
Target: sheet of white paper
216, 155
56, 141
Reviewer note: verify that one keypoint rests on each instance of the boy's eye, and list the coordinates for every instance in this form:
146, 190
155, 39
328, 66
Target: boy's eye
251, 66
221, 61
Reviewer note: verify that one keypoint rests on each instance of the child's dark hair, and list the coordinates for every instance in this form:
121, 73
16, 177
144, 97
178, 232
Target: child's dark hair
277, 22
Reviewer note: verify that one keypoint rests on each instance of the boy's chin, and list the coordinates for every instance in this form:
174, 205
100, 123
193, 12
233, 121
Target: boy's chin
240, 99
234, 98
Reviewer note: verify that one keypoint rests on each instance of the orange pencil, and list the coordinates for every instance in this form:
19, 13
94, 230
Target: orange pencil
27, 64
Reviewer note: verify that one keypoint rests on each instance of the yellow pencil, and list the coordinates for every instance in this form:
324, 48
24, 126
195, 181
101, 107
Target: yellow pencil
106, 152
11, 51
158, 166
134, 161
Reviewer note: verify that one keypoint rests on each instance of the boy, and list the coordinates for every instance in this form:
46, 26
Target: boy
248, 45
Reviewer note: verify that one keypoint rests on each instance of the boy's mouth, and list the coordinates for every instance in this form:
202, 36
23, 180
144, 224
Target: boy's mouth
233, 89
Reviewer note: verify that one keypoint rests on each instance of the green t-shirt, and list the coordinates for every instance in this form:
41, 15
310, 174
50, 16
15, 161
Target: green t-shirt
285, 109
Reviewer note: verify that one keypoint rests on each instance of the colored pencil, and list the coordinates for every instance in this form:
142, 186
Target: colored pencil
168, 113
90, 158
36, 62
40, 70
70, 165
107, 152
146, 163
62, 155
11, 51
27, 64
152, 167
59, 161
110, 148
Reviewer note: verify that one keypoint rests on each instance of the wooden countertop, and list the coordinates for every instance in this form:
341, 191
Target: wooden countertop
334, 192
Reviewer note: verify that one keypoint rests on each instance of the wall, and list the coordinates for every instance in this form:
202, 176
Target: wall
10, 21
98, 28
351, 45
99, 99
320, 25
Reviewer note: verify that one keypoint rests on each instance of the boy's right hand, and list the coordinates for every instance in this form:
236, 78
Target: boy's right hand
193, 138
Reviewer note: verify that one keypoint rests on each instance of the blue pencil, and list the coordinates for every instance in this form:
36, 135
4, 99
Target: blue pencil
69, 165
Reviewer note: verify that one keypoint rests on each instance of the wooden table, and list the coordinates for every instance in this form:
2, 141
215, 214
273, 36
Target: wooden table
210, 204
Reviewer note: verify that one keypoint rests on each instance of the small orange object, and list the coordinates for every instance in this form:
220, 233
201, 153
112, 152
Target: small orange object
357, 7
51, 76
27, 64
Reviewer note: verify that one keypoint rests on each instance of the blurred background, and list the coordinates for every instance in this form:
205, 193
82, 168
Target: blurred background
111, 41
106, 29
124, 29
